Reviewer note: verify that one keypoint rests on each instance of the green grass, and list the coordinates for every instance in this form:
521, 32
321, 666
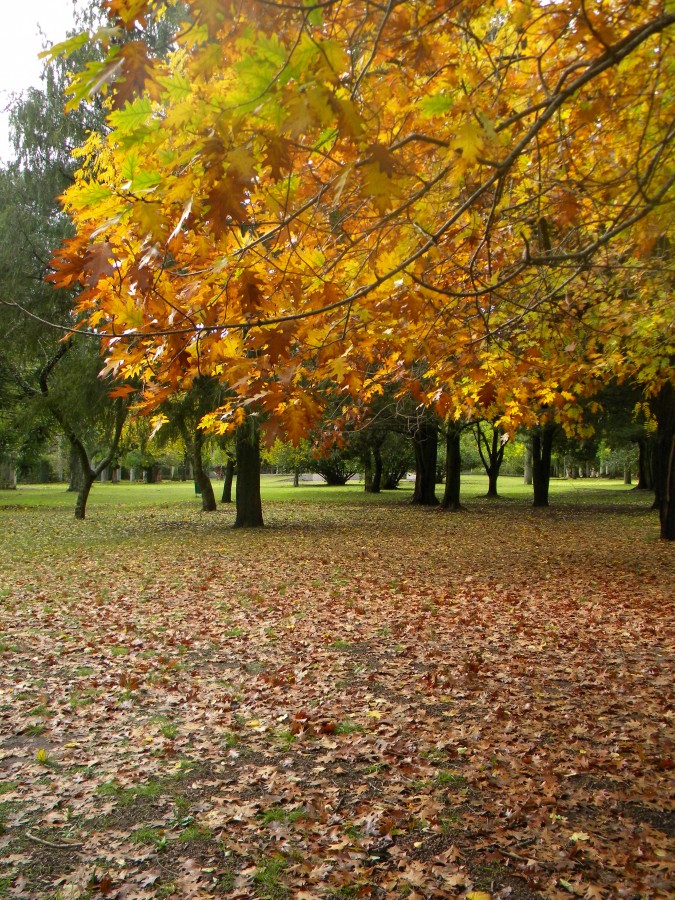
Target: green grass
267, 880
450, 779
279, 489
281, 814
194, 834
150, 790
347, 727
148, 835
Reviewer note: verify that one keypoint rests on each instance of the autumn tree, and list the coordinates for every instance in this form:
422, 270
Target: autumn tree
297, 189
181, 414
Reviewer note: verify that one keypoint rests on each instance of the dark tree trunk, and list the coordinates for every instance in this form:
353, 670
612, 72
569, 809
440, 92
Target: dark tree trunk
83, 494
391, 481
75, 468
626, 473
663, 407
249, 503
491, 454
227, 484
377, 469
425, 442
527, 464
368, 471
493, 475
201, 477
334, 477
542, 445
296, 477
90, 473
453, 470
645, 463
373, 467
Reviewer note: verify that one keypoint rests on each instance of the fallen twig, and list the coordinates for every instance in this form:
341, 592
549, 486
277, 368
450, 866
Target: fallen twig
39, 840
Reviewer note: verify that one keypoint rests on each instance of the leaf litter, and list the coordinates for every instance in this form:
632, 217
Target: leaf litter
359, 701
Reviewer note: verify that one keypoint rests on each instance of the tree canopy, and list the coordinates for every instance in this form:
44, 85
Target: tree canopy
312, 194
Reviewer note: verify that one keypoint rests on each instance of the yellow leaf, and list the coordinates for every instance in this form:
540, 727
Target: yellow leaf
468, 142
254, 723
580, 836
478, 895
41, 755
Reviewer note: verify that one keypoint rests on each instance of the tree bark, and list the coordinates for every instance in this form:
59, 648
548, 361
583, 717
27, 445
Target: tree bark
377, 469
542, 445
368, 470
663, 407
90, 473
645, 462
75, 470
201, 477
86, 482
453, 470
527, 464
227, 483
493, 475
491, 454
425, 442
296, 477
249, 503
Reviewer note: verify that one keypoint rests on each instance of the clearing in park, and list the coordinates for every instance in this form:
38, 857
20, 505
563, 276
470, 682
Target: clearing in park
364, 699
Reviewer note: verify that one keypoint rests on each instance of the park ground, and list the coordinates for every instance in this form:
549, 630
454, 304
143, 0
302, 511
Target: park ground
363, 699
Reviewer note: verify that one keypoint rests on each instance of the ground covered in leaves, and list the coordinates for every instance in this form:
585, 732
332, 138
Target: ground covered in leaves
361, 700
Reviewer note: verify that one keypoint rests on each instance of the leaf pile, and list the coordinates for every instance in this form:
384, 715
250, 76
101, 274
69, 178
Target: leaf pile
358, 701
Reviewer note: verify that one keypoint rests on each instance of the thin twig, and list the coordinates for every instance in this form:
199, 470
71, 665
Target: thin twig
38, 840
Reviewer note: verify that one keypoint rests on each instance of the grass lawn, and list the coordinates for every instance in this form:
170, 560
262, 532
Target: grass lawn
364, 699
280, 488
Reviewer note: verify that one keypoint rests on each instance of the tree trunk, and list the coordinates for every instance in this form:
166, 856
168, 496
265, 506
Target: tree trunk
453, 470
377, 470
75, 470
425, 442
645, 462
491, 454
296, 477
368, 471
249, 503
227, 484
493, 475
7, 475
493, 468
83, 494
663, 407
527, 464
542, 444
626, 473
89, 472
202, 479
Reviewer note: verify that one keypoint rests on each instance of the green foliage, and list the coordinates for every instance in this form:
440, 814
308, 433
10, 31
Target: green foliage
336, 465
287, 457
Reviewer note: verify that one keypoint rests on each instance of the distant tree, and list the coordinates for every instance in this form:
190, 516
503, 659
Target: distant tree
287, 457
491, 444
335, 464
